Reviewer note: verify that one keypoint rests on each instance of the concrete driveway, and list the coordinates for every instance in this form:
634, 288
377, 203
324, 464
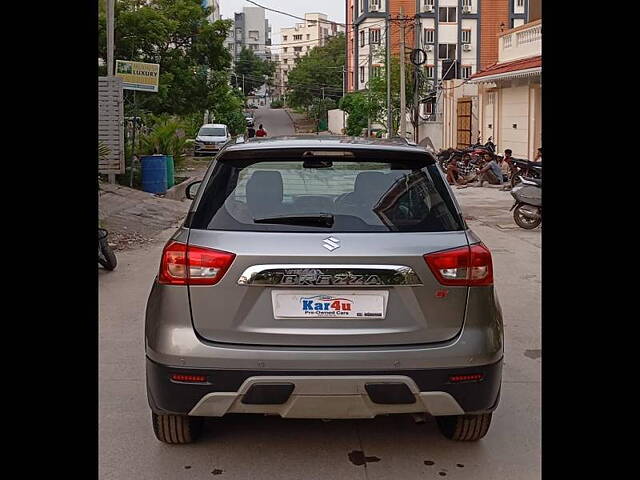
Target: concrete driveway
394, 447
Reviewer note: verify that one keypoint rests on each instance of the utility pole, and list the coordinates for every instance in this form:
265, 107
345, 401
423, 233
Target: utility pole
390, 131
344, 114
403, 102
369, 88
416, 84
110, 35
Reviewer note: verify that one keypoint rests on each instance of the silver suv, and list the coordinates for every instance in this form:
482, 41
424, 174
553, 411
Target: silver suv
323, 277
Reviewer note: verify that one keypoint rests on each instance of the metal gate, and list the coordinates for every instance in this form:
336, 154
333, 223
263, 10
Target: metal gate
111, 124
464, 114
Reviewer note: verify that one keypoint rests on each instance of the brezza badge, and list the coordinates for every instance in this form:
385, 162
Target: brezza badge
329, 280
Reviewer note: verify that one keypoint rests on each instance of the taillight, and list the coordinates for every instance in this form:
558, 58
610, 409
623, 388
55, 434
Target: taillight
475, 377
178, 377
466, 266
191, 265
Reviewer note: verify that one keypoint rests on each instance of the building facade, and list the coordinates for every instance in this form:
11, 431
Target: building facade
460, 31
300, 39
214, 5
510, 92
251, 30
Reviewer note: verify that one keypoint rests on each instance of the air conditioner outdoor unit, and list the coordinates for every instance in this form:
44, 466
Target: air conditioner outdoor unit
373, 8
429, 8
466, 47
428, 48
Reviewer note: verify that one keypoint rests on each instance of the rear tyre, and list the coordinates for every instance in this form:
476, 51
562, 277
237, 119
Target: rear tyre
464, 428
108, 260
176, 429
524, 222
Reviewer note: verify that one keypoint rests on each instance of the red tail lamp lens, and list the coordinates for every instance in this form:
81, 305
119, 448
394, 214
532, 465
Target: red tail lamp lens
190, 265
466, 266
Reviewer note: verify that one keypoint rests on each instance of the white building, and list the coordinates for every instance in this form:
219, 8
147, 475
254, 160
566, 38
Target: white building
251, 30
214, 5
510, 92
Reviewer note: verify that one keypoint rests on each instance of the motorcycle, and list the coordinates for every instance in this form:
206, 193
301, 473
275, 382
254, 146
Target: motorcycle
527, 209
106, 257
525, 168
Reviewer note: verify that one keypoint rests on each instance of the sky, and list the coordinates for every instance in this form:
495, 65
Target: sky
333, 8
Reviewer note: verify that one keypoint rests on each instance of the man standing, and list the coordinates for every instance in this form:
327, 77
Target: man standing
261, 132
251, 132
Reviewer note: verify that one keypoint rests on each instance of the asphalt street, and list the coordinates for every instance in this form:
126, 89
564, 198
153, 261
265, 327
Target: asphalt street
276, 121
394, 447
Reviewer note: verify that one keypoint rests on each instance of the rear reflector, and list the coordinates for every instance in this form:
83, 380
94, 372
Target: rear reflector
178, 377
191, 265
466, 266
476, 377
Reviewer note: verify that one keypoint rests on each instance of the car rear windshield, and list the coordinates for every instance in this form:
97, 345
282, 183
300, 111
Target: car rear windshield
358, 196
212, 132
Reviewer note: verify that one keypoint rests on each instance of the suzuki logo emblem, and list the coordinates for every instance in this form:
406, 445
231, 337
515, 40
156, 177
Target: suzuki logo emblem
331, 243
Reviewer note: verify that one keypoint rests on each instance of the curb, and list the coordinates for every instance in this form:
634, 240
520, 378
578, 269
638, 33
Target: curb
295, 125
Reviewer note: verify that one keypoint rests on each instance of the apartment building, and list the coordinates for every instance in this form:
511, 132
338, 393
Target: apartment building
251, 30
458, 36
300, 39
214, 5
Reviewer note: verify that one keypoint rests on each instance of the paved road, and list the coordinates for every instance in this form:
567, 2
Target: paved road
276, 121
254, 447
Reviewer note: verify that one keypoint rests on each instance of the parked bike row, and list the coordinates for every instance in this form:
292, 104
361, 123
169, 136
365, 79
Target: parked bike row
479, 163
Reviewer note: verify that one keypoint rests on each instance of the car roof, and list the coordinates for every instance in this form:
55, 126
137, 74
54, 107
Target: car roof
214, 125
327, 142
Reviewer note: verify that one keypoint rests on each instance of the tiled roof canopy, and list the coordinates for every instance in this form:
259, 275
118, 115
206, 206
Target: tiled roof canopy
522, 67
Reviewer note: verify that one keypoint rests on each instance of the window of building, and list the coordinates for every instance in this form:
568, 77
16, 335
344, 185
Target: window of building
361, 74
297, 37
465, 71
285, 49
254, 35
285, 60
362, 38
447, 51
429, 36
374, 4
308, 36
374, 36
284, 38
297, 49
466, 3
466, 36
429, 108
429, 3
429, 71
447, 15
521, 3
376, 70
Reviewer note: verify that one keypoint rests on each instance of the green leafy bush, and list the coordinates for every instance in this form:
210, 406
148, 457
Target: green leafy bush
277, 104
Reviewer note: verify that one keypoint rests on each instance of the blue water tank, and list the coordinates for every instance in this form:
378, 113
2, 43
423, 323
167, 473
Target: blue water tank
154, 173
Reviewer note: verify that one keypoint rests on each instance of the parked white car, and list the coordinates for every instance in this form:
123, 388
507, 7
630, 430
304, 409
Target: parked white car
211, 137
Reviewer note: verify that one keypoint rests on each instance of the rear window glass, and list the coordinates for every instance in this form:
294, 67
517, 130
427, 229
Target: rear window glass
212, 132
359, 196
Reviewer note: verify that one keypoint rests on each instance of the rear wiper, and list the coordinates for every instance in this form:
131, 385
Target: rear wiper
312, 220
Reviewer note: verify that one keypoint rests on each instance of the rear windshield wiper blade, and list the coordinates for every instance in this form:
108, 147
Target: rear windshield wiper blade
313, 220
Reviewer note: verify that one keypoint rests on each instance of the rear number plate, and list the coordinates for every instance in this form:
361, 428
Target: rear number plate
319, 304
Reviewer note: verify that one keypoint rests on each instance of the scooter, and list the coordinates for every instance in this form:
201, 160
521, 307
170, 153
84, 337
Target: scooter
106, 257
527, 209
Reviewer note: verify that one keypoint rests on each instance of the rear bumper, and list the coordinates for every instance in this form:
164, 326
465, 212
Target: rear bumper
323, 394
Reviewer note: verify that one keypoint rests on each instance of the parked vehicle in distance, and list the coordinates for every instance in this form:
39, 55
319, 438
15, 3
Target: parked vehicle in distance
323, 277
248, 116
211, 137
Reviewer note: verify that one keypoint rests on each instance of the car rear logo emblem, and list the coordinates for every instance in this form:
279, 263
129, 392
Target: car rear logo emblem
331, 243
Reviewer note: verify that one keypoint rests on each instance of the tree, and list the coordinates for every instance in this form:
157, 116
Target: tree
373, 101
177, 35
256, 71
317, 73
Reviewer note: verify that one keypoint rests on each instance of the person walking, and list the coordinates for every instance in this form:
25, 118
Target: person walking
251, 132
261, 132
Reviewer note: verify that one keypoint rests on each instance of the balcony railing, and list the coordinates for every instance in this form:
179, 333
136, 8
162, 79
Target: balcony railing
521, 42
